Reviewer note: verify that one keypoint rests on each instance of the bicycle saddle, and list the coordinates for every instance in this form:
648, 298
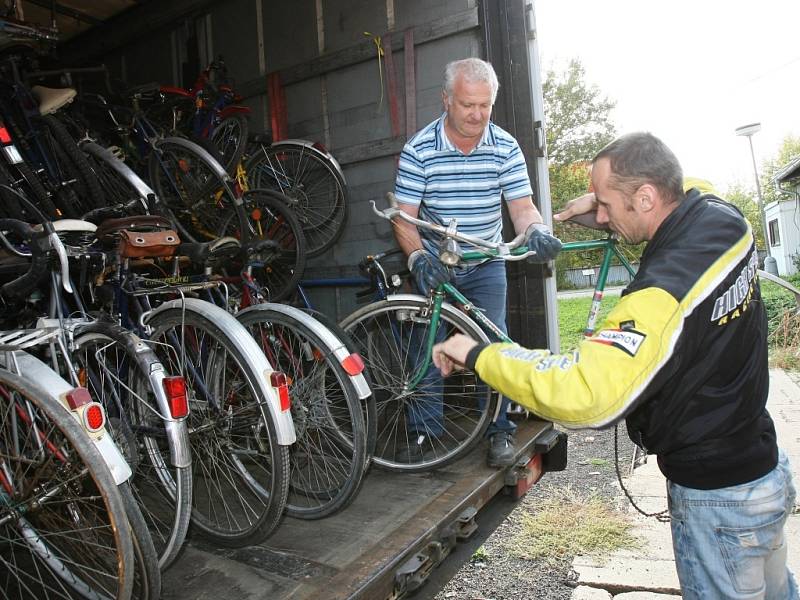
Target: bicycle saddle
210, 253
51, 99
589, 220
106, 230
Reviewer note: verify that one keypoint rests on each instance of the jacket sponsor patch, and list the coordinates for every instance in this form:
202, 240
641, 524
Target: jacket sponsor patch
627, 340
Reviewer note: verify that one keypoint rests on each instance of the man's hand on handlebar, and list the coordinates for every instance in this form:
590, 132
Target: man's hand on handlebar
428, 271
541, 240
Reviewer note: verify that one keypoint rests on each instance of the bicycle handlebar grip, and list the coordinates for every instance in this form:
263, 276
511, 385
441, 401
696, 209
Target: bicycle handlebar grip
40, 257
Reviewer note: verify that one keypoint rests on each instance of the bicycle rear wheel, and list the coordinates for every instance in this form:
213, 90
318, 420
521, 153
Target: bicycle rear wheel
315, 191
452, 413
116, 371
328, 460
63, 530
240, 480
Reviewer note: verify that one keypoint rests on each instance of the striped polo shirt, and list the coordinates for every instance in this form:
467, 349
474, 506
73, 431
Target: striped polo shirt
446, 183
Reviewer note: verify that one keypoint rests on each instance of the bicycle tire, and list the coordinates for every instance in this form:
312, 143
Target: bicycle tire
235, 452
192, 188
84, 547
370, 414
315, 191
328, 459
230, 140
88, 186
116, 374
118, 188
277, 269
147, 575
387, 335
12, 206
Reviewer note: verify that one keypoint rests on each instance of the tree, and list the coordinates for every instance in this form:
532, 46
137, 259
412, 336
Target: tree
745, 200
578, 125
787, 153
577, 116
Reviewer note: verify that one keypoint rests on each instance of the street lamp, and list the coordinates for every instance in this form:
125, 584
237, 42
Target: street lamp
748, 131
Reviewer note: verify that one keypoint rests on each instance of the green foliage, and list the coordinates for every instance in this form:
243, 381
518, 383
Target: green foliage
787, 153
577, 116
747, 202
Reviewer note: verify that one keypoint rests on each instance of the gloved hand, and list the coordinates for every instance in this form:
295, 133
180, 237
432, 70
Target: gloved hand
427, 270
539, 238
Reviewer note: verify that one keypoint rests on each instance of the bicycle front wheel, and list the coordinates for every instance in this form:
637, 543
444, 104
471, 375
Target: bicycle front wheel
230, 139
327, 461
63, 528
240, 470
448, 415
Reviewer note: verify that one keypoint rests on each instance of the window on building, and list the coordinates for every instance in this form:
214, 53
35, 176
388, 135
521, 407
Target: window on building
774, 233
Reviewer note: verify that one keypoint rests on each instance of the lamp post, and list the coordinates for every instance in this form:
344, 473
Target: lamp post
748, 131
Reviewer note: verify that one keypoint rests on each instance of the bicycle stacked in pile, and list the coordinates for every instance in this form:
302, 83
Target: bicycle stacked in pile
147, 375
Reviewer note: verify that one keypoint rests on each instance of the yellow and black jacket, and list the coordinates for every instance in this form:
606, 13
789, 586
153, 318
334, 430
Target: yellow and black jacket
682, 356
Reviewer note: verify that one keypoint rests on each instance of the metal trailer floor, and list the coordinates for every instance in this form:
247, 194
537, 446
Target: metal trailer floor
398, 522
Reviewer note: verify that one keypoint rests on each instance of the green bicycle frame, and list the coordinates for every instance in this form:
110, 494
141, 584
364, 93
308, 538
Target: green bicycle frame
607, 244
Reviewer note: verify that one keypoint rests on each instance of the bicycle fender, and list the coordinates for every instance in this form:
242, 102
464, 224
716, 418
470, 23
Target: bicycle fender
340, 351
252, 354
57, 388
312, 148
120, 167
219, 170
176, 429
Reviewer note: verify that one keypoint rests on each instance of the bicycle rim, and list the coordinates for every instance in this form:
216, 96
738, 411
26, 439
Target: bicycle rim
327, 461
62, 519
315, 192
240, 472
162, 490
230, 139
389, 336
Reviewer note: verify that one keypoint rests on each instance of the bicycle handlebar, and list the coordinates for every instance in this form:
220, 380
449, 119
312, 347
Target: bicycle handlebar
495, 249
27, 282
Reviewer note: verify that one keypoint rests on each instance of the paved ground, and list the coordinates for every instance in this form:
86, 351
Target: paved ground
648, 573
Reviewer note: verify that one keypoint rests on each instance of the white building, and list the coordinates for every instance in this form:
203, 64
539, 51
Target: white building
783, 220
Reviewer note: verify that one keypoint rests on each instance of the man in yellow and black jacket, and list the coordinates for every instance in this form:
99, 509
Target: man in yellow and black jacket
683, 358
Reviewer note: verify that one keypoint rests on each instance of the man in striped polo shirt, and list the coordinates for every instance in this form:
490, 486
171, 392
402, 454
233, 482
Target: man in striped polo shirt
462, 166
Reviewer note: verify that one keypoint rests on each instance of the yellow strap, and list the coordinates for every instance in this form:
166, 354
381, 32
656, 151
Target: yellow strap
377, 41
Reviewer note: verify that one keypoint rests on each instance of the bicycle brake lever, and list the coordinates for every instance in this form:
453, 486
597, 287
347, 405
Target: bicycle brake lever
55, 243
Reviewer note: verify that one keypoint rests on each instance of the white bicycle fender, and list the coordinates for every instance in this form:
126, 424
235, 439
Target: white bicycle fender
57, 388
252, 354
340, 351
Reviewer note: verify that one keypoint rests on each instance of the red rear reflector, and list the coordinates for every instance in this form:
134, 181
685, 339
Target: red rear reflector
278, 381
93, 417
353, 364
4, 136
78, 397
175, 388
320, 147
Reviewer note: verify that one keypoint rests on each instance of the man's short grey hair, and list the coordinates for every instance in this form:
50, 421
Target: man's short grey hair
473, 70
639, 158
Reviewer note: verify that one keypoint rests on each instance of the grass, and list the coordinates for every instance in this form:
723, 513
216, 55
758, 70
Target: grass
567, 523
784, 324
572, 313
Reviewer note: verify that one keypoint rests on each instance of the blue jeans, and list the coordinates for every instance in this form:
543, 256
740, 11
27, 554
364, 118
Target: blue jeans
729, 543
485, 286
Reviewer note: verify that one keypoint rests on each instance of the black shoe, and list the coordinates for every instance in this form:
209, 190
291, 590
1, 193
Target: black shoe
501, 450
415, 451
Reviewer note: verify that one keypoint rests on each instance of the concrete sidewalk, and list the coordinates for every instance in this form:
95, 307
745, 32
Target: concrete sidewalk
648, 572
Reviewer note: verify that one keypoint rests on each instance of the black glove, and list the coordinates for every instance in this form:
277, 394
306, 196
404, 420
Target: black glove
428, 271
540, 239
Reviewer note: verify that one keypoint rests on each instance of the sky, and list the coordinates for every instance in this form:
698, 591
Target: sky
690, 72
